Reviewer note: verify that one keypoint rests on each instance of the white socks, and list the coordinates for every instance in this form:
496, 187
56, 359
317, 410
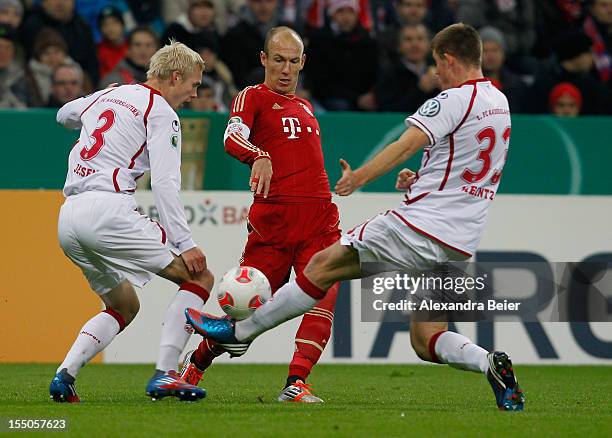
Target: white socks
95, 335
287, 303
460, 352
175, 331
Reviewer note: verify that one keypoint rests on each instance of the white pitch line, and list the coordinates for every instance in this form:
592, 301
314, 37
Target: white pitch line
572, 154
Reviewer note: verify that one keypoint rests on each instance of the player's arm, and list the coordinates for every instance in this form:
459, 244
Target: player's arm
394, 154
237, 143
165, 159
70, 114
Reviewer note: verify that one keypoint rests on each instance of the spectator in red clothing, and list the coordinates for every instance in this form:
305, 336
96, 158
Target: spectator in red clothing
113, 47
316, 14
142, 44
565, 100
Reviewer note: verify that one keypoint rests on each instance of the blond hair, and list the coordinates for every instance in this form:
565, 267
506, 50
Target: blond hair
174, 57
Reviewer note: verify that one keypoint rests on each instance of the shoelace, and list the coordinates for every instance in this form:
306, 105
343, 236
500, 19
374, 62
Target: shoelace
173, 374
192, 371
303, 386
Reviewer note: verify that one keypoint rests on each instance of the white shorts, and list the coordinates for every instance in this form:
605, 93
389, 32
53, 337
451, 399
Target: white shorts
385, 238
105, 236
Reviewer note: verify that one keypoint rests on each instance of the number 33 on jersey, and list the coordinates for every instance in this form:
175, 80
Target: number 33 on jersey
469, 133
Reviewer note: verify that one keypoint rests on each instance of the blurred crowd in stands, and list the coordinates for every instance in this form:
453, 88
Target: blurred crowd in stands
547, 56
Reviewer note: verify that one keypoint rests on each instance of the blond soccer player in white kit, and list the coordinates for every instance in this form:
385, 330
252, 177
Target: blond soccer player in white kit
464, 132
126, 131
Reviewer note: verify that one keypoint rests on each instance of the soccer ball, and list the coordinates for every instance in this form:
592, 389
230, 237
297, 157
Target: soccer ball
242, 290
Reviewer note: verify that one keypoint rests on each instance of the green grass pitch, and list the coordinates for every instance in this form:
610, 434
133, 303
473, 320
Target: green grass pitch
360, 400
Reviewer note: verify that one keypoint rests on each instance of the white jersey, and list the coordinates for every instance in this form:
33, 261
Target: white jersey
126, 131
469, 132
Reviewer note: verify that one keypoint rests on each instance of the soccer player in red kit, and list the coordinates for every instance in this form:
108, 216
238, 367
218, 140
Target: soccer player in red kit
292, 217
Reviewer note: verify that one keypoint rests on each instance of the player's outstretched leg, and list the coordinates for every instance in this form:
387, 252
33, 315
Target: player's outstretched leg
289, 301
333, 264
434, 343
121, 307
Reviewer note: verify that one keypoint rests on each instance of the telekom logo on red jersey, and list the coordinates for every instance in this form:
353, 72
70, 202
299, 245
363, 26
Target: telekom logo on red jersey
291, 124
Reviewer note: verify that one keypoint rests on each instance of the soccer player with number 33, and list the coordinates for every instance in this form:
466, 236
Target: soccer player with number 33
464, 133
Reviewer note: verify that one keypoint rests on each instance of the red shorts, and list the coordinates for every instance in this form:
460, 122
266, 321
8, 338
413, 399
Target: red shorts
282, 236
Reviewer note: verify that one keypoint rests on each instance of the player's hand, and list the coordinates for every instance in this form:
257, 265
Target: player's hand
429, 81
367, 102
405, 178
261, 175
194, 259
347, 183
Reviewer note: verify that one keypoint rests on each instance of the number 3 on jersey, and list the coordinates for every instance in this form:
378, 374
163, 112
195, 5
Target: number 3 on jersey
484, 155
98, 135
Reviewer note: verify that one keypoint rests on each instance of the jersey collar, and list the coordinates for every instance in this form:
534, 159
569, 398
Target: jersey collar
474, 81
286, 96
153, 90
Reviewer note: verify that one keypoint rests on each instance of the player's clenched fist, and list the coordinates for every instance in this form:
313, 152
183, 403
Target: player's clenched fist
347, 183
194, 259
405, 178
261, 175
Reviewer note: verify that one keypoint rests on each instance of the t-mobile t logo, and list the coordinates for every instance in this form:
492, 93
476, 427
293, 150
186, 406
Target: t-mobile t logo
294, 126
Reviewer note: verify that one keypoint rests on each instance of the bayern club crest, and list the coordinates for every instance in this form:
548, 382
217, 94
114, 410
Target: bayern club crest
307, 110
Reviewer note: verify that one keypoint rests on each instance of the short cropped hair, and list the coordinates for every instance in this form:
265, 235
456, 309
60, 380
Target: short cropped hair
174, 57
272, 32
461, 41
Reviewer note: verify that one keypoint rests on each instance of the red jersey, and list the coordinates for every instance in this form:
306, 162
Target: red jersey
264, 123
109, 55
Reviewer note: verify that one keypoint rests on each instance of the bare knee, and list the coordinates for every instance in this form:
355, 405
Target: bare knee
318, 270
334, 263
178, 273
128, 310
204, 279
123, 300
421, 336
